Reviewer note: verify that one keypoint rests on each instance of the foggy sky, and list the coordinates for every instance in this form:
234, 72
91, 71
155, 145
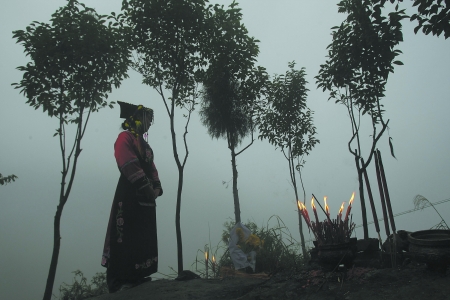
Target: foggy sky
417, 105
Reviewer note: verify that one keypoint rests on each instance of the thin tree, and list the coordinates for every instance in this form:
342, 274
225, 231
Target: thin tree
225, 113
168, 39
287, 123
75, 61
360, 59
232, 85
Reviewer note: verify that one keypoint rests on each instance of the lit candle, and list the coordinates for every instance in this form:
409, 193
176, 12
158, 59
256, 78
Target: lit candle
315, 211
327, 209
206, 263
349, 208
214, 266
341, 210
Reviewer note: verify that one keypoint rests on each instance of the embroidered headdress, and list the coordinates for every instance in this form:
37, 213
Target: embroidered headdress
129, 112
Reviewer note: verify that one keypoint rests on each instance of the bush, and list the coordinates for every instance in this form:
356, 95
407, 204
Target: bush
279, 252
80, 289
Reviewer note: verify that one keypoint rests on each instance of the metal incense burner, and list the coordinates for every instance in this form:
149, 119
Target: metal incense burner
431, 247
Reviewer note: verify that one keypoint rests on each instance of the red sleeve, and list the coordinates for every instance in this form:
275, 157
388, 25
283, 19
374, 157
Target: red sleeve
125, 153
154, 171
155, 175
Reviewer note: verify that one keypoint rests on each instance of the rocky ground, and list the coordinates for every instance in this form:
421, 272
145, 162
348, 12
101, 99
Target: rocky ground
410, 281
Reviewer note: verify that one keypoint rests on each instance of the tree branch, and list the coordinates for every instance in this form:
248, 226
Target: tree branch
186, 131
246, 146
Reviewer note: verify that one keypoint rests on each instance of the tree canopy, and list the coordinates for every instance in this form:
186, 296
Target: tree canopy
433, 16
75, 61
286, 121
223, 111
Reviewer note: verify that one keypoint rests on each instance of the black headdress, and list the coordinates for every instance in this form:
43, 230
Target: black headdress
128, 110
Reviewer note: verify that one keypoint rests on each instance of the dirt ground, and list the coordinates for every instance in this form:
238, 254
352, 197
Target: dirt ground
411, 281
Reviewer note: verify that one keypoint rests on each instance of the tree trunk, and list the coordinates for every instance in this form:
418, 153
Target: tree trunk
237, 208
300, 224
55, 254
361, 197
180, 167
177, 220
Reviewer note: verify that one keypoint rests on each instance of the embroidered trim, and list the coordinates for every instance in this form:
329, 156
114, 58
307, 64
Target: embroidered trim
119, 223
147, 264
134, 177
127, 163
104, 260
147, 184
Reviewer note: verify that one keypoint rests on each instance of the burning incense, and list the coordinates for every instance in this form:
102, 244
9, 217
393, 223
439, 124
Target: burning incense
322, 208
330, 231
328, 216
349, 208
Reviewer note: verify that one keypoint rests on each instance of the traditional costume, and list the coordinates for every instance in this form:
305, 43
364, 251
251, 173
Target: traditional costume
131, 252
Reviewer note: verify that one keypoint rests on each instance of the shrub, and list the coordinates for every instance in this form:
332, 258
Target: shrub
80, 289
280, 251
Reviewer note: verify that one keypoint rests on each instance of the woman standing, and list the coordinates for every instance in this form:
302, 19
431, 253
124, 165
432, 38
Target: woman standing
131, 251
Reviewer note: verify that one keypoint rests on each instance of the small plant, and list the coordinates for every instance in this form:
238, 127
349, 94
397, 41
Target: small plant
80, 289
420, 202
208, 257
280, 251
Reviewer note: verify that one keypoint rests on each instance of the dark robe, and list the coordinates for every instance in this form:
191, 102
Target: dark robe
131, 250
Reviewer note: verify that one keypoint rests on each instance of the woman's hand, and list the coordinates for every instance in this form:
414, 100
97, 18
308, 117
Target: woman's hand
146, 195
157, 191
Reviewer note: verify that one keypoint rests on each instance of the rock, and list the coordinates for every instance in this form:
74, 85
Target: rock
186, 275
368, 245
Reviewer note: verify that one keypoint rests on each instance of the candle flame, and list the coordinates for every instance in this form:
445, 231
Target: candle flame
312, 203
342, 208
351, 199
301, 206
327, 209
213, 259
206, 255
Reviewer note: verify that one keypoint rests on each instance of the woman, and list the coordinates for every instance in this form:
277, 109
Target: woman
131, 252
